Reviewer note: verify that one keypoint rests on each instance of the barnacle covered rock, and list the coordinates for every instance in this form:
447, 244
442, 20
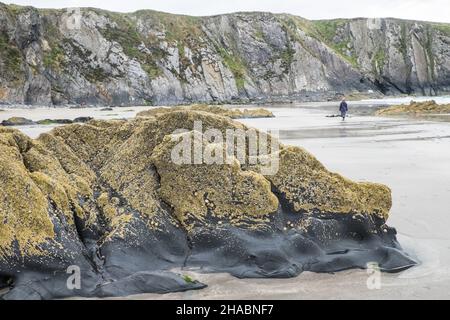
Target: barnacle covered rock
218, 110
415, 108
107, 199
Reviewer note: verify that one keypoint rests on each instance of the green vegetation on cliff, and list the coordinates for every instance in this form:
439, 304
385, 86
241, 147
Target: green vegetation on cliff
125, 33
10, 58
327, 31
236, 66
54, 58
442, 27
378, 62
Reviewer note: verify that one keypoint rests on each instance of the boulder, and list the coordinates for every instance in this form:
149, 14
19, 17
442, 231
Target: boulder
82, 119
17, 121
54, 121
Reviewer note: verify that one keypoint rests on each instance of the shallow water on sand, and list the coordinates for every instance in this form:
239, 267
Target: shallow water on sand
36, 114
411, 156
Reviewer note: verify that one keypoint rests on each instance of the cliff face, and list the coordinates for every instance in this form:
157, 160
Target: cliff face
100, 57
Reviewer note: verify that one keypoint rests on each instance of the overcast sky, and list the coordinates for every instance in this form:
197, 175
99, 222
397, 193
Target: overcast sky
431, 10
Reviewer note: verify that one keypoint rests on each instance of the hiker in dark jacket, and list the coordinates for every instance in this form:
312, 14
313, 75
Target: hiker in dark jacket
343, 108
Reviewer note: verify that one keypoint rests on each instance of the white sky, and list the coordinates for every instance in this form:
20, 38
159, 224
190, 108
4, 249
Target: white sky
430, 10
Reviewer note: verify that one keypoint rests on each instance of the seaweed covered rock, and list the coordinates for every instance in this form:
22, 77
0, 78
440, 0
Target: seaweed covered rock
17, 121
105, 209
218, 190
416, 108
54, 121
219, 110
305, 185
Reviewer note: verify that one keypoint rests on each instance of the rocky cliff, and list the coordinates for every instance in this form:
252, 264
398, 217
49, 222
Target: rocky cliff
91, 56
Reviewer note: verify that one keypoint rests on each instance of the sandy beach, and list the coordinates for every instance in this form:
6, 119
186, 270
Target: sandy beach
411, 156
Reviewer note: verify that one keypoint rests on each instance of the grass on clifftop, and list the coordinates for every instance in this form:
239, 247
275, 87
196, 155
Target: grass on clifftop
13, 9
327, 29
442, 27
324, 31
177, 27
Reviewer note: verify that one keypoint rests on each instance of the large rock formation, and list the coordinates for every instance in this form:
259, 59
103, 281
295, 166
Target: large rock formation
219, 110
98, 57
108, 199
416, 108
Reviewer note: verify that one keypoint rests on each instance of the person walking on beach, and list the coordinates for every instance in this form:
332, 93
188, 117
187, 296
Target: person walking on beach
343, 108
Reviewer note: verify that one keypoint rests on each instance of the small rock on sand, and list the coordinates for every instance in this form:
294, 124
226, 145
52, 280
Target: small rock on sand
17, 121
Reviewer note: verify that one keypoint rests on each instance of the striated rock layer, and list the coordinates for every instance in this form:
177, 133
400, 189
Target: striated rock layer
92, 56
106, 198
